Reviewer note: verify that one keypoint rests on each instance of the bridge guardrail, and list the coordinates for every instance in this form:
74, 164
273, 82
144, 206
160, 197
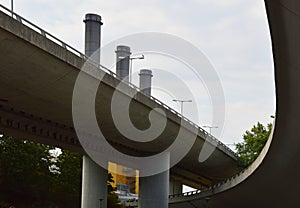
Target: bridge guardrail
51, 37
195, 192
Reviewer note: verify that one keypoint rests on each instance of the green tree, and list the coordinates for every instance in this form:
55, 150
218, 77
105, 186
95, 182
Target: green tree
67, 183
31, 176
24, 171
253, 142
112, 198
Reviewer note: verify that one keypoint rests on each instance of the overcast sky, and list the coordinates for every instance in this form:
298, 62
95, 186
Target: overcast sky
233, 34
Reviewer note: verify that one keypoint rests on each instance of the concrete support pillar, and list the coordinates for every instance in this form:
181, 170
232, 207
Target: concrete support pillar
154, 189
94, 184
175, 187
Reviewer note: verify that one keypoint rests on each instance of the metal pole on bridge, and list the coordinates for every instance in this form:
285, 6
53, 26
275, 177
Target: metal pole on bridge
12, 8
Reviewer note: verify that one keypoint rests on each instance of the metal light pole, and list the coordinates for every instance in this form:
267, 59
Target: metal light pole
132, 58
12, 8
181, 104
210, 127
100, 203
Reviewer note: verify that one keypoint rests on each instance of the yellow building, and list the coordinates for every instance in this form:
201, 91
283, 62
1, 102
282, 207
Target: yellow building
128, 181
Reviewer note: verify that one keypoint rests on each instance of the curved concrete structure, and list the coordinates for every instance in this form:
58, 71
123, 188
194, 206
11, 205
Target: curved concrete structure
36, 86
273, 179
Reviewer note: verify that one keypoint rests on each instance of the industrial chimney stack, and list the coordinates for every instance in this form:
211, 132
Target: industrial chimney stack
93, 36
122, 62
145, 81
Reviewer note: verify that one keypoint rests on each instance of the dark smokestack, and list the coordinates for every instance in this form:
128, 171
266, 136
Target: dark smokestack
93, 36
123, 60
145, 81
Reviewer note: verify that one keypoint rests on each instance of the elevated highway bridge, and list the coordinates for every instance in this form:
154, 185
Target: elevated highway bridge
38, 73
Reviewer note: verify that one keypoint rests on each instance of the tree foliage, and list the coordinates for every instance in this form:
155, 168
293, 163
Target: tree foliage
32, 176
112, 200
69, 168
67, 180
253, 142
24, 170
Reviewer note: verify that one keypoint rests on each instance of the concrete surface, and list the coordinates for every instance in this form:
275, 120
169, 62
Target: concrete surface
273, 179
36, 85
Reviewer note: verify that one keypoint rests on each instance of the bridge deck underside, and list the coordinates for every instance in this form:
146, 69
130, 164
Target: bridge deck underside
36, 86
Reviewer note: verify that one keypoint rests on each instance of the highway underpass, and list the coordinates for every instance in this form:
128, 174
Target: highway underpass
37, 80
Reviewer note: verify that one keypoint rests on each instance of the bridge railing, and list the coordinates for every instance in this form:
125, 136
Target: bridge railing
108, 71
191, 193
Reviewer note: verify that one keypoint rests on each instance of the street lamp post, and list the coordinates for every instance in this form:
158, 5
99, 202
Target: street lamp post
210, 127
130, 68
12, 8
181, 104
100, 202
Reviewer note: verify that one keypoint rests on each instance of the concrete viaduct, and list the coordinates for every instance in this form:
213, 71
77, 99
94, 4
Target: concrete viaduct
38, 72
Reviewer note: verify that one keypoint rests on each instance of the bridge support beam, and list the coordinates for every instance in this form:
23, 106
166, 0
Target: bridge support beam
94, 184
175, 187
